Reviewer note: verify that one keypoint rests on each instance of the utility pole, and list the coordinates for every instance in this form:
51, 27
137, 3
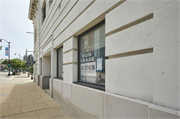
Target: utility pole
9, 59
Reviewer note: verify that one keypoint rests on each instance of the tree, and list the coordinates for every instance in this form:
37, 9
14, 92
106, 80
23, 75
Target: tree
15, 64
31, 69
1, 60
4, 62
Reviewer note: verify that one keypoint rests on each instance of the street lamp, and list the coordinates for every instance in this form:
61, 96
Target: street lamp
9, 54
30, 32
18, 54
19, 59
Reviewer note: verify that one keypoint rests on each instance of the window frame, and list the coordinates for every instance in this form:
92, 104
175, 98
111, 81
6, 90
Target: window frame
50, 2
92, 85
58, 63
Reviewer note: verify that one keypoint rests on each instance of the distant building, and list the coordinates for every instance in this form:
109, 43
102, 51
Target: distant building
109, 59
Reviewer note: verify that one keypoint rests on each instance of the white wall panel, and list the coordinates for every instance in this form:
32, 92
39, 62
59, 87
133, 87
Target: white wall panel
128, 12
134, 38
78, 8
70, 44
166, 76
70, 73
47, 48
93, 15
70, 57
130, 76
166, 25
87, 102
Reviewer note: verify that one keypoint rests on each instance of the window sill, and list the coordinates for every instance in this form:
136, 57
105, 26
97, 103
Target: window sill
58, 78
91, 85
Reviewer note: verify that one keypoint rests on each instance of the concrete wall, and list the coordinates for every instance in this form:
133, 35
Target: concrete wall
84, 102
142, 43
46, 71
44, 82
36, 79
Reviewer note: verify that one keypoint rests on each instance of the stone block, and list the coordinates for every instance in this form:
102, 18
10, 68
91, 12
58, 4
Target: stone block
70, 57
70, 44
30, 115
70, 73
166, 76
93, 15
67, 9
87, 102
162, 3
45, 28
128, 12
4, 105
46, 66
55, 20
131, 77
115, 107
44, 82
31, 108
36, 78
10, 111
50, 113
166, 25
58, 91
67, 91
19, 104
46, 47
51, 87
158, 114
134, 38
52, 104
77, 10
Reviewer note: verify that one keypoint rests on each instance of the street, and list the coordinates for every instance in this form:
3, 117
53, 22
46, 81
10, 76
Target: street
4, 77
3, 73
20, 97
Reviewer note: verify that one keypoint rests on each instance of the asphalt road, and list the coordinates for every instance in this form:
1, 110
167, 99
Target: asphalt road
4, 77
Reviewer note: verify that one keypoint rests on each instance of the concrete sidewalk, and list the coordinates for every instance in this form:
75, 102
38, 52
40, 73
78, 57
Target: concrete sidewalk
20, 97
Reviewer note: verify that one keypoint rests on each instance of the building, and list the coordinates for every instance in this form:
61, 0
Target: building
109, 59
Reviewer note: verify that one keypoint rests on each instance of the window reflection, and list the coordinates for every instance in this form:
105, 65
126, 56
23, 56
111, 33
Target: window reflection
92, 56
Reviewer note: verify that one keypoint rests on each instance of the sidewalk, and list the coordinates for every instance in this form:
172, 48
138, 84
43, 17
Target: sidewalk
20, 97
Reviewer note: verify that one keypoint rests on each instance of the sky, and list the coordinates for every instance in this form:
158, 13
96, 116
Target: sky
14, 23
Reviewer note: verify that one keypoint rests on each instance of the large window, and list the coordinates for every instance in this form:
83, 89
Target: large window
92, 56
60, 63
44, 12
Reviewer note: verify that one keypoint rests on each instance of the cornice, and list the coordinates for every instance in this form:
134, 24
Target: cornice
32, 9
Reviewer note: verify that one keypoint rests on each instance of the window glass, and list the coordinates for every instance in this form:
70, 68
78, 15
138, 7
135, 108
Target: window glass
44, 12
92, 56
60, 62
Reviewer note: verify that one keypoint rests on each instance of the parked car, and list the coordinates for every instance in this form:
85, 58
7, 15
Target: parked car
5, 70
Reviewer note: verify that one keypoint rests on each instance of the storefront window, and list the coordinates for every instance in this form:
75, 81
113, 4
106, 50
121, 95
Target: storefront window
92, 56
60, 63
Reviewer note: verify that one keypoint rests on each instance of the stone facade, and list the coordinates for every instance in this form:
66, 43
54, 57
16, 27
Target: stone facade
142, 45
